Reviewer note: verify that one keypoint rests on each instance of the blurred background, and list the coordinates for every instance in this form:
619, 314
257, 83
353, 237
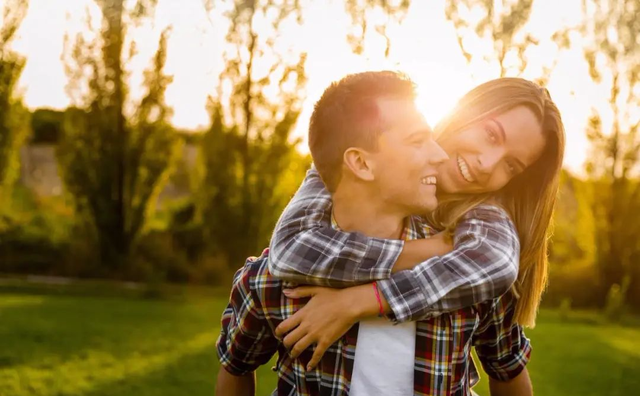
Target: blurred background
147, 147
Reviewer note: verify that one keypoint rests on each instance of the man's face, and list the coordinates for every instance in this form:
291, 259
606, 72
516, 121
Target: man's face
405, 164
486, 156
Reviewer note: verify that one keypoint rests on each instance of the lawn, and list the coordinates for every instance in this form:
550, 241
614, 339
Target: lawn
59, 344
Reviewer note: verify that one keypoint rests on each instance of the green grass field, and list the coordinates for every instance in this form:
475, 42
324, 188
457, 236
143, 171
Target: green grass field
58, 344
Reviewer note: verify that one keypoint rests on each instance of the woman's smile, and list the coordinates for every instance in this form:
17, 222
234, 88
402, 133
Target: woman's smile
464, 170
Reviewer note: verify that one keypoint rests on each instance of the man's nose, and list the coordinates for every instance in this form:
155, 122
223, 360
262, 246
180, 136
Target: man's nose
435, 153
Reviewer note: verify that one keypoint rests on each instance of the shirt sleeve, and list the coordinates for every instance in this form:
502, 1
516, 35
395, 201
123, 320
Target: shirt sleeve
246, 341
306, 249
483, 266
501, 345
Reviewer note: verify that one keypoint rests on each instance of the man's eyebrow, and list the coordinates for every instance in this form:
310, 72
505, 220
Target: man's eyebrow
500, 129
425, 131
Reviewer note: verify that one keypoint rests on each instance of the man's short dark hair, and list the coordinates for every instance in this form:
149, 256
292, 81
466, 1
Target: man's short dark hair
347, 115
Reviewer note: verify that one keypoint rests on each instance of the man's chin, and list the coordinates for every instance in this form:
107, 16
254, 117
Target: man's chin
445, 184
431, 208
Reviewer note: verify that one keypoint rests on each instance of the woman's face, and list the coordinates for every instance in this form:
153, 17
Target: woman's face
487, 155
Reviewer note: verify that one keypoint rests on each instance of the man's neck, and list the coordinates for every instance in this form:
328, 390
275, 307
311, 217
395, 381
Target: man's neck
358, 210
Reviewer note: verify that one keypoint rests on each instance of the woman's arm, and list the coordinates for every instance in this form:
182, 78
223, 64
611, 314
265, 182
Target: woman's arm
416, 251
306, 249
483, 266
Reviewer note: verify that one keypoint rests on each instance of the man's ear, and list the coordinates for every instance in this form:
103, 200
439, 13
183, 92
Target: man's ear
360, 163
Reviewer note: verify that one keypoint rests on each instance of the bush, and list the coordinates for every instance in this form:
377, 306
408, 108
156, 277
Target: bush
615, 303
28, 249
41, 236
565, 309
573, 282
34, 235
156, 259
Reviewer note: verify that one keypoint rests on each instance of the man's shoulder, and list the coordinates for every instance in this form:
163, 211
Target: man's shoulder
254, 277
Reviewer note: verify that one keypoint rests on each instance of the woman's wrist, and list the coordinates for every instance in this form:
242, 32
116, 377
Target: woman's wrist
363, 302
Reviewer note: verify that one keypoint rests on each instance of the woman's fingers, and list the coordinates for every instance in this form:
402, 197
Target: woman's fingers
289, 324
292, 322
293, 337
321, 348
301, 345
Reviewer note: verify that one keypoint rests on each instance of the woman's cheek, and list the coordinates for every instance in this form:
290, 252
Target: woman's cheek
499, 182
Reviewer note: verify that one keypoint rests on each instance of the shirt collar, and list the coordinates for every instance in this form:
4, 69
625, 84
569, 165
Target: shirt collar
409, 231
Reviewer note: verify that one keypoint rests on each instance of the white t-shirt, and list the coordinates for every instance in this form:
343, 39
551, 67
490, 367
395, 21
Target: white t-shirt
385, 356
384, 359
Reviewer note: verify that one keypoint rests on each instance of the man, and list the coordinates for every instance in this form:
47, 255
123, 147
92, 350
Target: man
382, 170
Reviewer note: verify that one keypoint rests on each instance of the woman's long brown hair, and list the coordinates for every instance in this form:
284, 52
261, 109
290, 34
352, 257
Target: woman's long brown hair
530, 197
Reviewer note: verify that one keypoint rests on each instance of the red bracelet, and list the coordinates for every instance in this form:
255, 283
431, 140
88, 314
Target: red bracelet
380, 307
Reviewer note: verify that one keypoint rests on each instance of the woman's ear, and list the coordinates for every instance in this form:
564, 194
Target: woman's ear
360, 163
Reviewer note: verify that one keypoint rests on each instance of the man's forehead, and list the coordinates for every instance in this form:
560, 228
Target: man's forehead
400, 111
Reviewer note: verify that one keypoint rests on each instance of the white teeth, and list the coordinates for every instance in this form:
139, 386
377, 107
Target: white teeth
429, 180
464, 169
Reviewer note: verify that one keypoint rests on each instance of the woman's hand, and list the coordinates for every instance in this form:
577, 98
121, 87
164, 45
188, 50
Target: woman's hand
325, 318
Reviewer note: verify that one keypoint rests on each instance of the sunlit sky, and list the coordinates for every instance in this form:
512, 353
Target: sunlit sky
424, 46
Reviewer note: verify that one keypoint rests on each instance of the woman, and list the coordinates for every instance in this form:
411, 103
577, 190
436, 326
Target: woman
505, 142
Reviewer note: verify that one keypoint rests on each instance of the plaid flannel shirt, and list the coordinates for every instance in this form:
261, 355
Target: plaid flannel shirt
306, 250
443, 364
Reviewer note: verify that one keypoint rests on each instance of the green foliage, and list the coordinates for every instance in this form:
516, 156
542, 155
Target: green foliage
500, 24
572, 251
46, 126
615, 304
14, 118
112, 165
247, 153
358, 10
573, 242
503, 24
35, 236
565, 309
612, 51
577, 282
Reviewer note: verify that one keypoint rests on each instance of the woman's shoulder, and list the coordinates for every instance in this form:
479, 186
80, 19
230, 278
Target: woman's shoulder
488, 211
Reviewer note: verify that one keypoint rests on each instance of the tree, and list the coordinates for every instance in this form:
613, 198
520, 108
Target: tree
114, 165
14, 118
611, 32
573, 272
360, 10
247, 151
502, 24
573, 241
46, 126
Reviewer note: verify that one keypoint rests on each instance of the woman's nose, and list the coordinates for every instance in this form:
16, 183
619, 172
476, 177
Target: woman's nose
488, 160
